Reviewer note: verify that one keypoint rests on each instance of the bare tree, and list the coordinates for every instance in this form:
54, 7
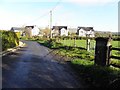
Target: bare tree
46, 32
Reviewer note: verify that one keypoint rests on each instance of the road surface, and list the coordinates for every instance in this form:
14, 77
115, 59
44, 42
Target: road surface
33, 67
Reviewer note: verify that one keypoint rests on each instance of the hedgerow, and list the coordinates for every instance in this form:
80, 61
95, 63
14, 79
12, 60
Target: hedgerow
9, 39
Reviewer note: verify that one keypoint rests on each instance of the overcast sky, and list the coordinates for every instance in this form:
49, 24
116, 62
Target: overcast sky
100, 14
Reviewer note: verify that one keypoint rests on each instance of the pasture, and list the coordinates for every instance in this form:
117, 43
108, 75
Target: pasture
82, 43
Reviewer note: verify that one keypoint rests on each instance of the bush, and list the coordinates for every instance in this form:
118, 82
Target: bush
18, 34
9, 40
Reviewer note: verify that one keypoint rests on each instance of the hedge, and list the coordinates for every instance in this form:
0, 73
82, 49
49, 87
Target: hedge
9, 39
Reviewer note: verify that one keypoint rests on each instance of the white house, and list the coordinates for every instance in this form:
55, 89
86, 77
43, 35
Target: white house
34, 30
60, 30
85, 31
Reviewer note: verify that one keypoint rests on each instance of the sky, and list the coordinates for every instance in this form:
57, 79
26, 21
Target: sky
100, 14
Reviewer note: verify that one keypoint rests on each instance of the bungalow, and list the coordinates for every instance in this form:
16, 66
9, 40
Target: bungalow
32, 30
85, 31
59, 30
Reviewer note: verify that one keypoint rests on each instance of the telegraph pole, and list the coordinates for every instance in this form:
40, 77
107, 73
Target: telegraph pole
51, 24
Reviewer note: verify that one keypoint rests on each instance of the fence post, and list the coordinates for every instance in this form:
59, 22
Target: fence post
102, 51
88, 44
74, 41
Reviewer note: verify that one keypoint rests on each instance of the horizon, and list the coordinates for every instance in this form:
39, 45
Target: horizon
102, 15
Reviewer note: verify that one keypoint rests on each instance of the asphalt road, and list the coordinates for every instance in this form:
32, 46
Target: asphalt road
33, 67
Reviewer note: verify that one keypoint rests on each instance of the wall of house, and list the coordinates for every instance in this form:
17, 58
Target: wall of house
35, 31
82, 33
63, 32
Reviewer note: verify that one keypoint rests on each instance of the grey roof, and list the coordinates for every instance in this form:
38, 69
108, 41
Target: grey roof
86, 28
59, 27
16, 28
29, 27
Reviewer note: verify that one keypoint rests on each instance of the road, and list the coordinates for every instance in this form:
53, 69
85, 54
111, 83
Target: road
33, 67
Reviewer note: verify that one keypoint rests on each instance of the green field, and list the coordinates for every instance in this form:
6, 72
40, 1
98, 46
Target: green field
79, 43
82, 43
116, 44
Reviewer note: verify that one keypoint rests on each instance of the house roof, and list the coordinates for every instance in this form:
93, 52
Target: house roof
29, 27
86, 28
16, 28
59, 27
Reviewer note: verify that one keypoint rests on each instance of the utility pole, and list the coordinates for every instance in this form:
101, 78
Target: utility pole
51, 24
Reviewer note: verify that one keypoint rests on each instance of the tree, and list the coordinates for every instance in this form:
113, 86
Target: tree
46, 32
28, 32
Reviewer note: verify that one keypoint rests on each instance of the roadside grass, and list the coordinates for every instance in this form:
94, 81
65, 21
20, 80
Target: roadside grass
68, 51
96, 76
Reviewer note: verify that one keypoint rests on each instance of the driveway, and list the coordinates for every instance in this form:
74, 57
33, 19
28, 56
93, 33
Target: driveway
33, 67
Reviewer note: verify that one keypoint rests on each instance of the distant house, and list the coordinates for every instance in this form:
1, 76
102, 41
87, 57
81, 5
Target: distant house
32, 30
59, 30
17, 29
41, 33
85, 31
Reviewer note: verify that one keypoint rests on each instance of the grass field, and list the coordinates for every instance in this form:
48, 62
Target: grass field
79, 43
82, 43
116, 44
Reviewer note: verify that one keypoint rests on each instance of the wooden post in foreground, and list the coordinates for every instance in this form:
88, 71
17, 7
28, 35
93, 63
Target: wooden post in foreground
88, 44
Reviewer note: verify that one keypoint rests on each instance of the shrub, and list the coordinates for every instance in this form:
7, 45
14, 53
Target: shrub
18, 34
9, 39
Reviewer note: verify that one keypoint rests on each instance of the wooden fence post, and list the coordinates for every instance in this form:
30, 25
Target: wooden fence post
74, 41
102, 51
88, 44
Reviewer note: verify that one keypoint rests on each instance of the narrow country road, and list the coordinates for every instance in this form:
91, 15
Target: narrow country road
33, 67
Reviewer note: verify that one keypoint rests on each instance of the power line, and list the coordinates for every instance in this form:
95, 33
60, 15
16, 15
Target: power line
47, 13
38, 18
56, 5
